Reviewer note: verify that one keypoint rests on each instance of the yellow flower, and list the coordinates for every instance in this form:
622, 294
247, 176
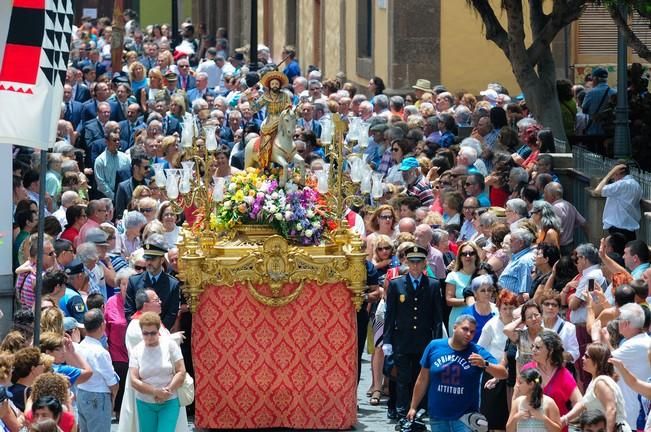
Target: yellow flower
239, 196
251, 192
242, 208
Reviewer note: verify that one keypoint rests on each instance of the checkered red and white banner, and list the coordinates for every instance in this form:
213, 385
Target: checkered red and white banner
34, 51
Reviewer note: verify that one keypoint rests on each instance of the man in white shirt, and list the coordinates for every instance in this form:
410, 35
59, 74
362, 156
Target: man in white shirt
95, 397
634, 353
623, 195
588, 265
68, 199
210, 68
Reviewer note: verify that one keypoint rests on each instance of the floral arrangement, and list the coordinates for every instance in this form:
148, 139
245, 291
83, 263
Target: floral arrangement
255, 197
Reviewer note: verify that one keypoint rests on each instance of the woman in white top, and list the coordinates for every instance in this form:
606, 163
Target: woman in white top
603, 394
495, 393
168, 218
157, 371
551, 302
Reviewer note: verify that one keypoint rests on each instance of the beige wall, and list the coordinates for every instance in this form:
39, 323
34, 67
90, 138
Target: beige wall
279, 24
304, 32
381, 42
468, 60
331, 35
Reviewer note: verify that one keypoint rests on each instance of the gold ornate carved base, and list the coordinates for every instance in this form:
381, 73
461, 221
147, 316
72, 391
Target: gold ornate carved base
266, 259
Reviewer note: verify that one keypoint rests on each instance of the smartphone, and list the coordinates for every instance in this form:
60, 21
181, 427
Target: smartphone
590, 285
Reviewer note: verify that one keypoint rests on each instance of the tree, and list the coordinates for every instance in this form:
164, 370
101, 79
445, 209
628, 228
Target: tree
533, 66
642, 7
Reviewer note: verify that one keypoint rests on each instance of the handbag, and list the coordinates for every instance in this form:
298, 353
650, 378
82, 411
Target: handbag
185, 393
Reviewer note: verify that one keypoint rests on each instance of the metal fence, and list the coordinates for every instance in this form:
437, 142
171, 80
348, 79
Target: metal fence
595, 165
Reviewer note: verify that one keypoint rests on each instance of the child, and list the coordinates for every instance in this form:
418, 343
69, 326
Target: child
533, 411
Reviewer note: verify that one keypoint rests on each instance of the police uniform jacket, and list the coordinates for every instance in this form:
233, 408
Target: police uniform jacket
167, 288
413, 316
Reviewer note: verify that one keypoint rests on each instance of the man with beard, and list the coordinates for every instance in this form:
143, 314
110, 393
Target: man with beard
275, 100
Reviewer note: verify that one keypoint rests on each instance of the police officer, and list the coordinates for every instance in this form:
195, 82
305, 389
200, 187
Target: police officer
72, 304
413, 318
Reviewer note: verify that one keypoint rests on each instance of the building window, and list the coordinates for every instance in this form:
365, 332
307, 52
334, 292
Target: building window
365, 28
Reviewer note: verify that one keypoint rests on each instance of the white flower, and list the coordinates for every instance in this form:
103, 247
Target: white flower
279, 216
316, 225
299, 227
273, 209
274, 195
308, 233
288, 207
309, 213
288, 215
228, 204
265, 187
232, 187
260, 195
249, 199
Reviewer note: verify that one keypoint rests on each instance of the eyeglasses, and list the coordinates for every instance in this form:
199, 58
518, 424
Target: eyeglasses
468, 254
384, 248
169, 215
469, 184
485, 290
139, 268
184, 66
550, 304
386, 217
147, 210
149, 333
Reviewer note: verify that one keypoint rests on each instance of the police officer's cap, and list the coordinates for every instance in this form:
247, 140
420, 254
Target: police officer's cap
416, 253
154, 249
75, 267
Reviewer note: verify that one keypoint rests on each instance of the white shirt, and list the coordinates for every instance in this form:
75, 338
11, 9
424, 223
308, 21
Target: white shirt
622, 209
99, 360
579, 315
493, 338
568, 336
212, 70
60, 214
633, 353
155, 365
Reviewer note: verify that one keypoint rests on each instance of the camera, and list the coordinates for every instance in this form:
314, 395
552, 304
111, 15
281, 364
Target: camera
416, 425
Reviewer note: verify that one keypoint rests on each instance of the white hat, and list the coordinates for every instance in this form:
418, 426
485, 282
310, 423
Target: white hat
490, 95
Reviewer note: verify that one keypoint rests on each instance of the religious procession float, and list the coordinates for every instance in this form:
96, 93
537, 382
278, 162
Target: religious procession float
272, 272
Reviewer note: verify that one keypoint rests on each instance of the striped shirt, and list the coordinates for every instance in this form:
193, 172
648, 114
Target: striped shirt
423, 191
25, 289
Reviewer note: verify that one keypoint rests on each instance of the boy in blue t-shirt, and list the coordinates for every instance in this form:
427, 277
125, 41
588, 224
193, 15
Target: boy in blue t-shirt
451, 374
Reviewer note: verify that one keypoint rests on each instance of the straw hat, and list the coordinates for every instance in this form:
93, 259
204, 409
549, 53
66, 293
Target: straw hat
277, 75
423, 84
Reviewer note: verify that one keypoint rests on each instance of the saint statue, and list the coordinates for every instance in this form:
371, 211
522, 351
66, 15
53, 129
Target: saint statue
276, 100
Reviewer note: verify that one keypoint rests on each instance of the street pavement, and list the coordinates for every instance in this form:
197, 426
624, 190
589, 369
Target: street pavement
370, 418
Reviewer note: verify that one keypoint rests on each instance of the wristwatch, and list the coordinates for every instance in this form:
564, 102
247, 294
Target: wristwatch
365, 296
486, 364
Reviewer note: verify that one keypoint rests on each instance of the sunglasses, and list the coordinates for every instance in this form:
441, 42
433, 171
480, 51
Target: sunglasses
149, 333
468, 254
386, 217
147, 210
139, 268
415, 261
384, 248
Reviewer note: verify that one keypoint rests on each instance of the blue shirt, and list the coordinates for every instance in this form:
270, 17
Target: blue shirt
71, 372
454, 384
483, 199
639, 270
481, 320
516, 276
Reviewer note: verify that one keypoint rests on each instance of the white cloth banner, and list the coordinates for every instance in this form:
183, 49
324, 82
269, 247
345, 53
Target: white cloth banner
34, 51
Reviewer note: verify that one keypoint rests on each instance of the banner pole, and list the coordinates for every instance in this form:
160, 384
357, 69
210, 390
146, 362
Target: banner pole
39, 253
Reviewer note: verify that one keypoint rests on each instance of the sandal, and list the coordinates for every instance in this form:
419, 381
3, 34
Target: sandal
375, 397
369, 392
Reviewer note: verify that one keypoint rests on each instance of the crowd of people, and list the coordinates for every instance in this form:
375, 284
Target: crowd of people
479, 302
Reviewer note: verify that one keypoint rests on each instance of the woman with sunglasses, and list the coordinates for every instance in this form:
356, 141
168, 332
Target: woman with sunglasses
383, 222
157, 371
557, 382
552, 320
466, 263
483, 288
400, 149
603, 394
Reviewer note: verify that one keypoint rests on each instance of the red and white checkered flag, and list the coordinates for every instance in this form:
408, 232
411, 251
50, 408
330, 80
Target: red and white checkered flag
34, 51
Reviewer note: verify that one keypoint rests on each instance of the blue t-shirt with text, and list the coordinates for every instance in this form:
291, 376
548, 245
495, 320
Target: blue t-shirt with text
455, 384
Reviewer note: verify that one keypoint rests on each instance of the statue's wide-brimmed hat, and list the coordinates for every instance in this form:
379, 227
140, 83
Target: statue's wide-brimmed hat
274, 75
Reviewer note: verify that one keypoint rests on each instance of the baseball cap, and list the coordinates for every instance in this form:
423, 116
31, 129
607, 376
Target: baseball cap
69, 323
409, 163
97, 236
